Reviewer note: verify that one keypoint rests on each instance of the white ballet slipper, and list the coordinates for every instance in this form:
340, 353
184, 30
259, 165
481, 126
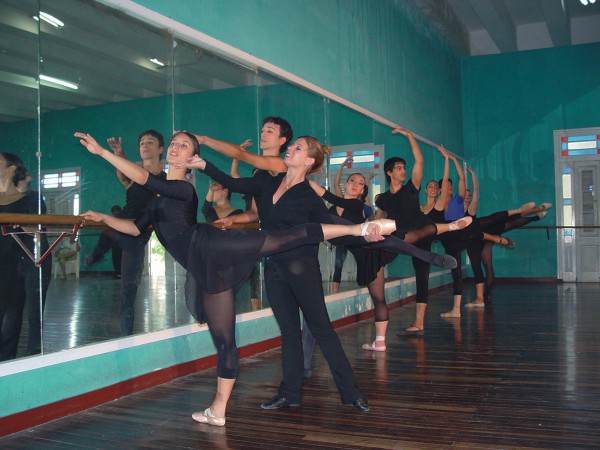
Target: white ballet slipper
207, 416
526, 207
386, 226
372, 346
460, 223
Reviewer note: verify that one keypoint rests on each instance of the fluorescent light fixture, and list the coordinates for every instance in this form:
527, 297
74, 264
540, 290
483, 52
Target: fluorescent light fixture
59, 81
592, 1
48, 18
158, 62
584, 2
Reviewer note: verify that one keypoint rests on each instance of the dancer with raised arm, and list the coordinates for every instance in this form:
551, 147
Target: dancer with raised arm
215, 260
370, 260
401, 203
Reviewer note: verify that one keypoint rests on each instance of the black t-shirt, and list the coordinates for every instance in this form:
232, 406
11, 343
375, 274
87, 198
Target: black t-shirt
137, 198
298, 205
403, 207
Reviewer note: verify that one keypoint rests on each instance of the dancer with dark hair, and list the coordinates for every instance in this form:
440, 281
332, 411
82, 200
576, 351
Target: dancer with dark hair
371, 261
21, 282
401, 203
151, 145
215, 260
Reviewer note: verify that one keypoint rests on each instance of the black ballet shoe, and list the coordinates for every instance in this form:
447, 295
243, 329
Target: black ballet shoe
506, 242
444, 261
406, 332
279, 402
362, 404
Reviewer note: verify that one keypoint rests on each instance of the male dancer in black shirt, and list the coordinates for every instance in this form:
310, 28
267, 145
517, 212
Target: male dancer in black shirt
151, 145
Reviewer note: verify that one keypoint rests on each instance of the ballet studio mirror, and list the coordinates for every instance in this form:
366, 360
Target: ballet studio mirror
80, 65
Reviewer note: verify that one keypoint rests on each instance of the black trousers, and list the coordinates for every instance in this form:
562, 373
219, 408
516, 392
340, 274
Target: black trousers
294, 284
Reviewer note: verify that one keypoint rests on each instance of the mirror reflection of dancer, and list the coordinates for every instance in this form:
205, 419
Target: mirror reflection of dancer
151, 145
356, 187
19, 276
216, 260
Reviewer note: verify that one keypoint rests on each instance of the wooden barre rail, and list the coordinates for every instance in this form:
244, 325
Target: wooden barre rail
58, 221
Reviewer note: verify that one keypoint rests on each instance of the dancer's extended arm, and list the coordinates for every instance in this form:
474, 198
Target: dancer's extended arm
462, 185
417, 172
131, 170
122, 225
271, 163
472, 209
442, 200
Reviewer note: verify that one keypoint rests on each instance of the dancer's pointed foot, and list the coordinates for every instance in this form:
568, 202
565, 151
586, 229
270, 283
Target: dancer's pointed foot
526, 207
386, 226
545, 206
506, 242
444, 261
460, 223
541, 214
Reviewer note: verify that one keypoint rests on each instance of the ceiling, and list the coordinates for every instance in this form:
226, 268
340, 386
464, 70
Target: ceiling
105, 53
483, 27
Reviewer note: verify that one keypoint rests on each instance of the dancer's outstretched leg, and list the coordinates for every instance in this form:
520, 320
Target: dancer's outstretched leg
277, 241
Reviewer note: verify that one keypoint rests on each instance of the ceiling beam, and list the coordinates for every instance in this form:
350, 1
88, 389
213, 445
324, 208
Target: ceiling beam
497, 21
557, 21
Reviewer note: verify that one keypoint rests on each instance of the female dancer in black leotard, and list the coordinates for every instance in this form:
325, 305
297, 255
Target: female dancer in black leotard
498, 224
215, 260
371, 261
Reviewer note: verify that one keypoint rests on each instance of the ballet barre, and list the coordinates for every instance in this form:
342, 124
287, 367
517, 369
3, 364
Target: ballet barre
50, 224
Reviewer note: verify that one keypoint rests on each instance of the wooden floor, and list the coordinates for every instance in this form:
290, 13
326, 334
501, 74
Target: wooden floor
523, 373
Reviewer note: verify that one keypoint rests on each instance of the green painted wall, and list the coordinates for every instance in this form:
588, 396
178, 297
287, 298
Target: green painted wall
381, 55
512, 105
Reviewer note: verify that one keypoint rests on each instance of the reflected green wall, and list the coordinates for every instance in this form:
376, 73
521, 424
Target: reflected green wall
512, 105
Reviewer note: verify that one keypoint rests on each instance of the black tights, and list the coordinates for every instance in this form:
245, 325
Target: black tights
474, 251
416, 235
487, 254
218, 309
377, 291
219, 313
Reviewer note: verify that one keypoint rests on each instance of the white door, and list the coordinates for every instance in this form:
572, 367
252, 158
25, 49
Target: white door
577, 157
587, 242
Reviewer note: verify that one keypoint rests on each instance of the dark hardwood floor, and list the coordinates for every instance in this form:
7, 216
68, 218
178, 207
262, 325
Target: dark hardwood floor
521, 373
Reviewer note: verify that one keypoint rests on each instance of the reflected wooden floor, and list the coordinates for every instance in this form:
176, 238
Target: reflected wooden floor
522, 373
